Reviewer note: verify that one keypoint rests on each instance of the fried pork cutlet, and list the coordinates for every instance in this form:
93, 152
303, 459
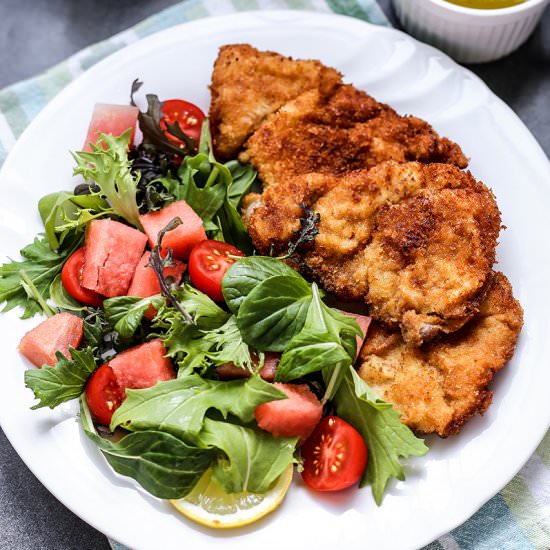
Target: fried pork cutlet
247, 85
341, 131
416, 242
440, 385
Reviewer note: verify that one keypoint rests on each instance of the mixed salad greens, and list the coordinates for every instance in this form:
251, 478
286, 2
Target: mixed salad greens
168, 435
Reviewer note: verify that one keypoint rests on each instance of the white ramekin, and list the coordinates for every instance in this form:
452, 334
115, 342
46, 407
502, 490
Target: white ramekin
467, 34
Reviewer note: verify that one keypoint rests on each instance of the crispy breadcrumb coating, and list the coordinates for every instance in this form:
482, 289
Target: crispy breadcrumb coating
416, 242
247, 85
442, 384
341, 131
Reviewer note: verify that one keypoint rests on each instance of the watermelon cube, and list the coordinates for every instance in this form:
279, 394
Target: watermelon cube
142, 366
181, 239
364, 322
269, 368
230, 371
113, 251
296, 416
145, 282
56, 333
111, 119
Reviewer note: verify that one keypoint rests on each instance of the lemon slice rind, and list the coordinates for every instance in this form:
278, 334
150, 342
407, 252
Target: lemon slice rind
209, 505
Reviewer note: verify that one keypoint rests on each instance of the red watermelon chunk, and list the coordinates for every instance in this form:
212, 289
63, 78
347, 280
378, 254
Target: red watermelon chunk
269, 368
142, 366
56, 333
111, 119
145, 282
364, 322
113, 251
181, 239
230, 371
296, 416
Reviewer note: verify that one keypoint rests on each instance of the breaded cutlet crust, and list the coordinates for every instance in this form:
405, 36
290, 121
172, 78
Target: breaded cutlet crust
340, 131
416, 242
247, 85
440, 385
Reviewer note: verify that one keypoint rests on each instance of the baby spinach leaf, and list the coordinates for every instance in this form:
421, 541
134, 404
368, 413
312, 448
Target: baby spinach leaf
233, 228
247, 273
62, 298
309, 352
215, 190
243, 176
327, 341
252, 459
162, 464
274, 312
63, 212
62, 382
377, 421
125, 313
203, 185
179, 406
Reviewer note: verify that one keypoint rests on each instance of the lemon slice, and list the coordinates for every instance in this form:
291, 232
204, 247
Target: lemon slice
208, 504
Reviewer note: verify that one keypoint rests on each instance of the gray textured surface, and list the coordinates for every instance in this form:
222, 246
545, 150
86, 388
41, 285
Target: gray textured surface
35, 34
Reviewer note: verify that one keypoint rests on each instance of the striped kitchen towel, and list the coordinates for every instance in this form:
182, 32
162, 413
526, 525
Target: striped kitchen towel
517, 518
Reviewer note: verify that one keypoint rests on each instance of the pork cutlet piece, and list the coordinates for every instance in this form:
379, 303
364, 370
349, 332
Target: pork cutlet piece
247, 85
416, 242
338, 132
442, 384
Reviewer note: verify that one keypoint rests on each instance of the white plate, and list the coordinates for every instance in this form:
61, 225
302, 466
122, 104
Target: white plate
459, 474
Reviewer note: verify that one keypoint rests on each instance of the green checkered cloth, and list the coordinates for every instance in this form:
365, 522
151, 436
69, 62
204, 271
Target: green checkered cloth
518, 517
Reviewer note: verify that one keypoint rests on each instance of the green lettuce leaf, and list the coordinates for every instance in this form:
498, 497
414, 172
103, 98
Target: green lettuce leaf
63, 212
179, 406
41, 265
162, 464
62, 382
100, 335
206, 313
247, 273
252, 459
309, 352
186, 345
327, 340
125, 313
110, 169
214, 191
62, 298
377, 421
274, 312
226, 345
229, 218
203, 186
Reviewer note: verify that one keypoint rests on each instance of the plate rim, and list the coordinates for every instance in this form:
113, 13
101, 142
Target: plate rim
269, 17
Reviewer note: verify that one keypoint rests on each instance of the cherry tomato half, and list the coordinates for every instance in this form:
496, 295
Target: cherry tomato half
335, 455
103, 394
71, 277
208, 262
188, 116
